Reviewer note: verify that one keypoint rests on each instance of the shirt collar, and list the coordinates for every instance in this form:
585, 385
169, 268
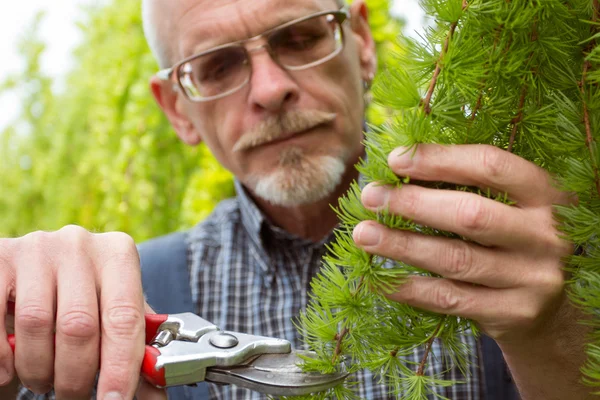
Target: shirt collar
257, 224
252, 217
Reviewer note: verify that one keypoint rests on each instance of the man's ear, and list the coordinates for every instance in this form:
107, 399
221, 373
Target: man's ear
359, 21
169, 100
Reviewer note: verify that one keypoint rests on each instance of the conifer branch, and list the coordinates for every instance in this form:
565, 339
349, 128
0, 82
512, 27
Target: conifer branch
338, 346
516, 120
479, 101
587, 65
339, 338
438, 65
428, 346
589, 139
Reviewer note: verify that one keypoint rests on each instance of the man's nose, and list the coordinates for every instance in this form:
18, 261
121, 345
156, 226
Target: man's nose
271, 86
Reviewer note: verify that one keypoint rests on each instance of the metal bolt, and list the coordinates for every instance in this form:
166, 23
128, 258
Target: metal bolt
223, 340
163, 338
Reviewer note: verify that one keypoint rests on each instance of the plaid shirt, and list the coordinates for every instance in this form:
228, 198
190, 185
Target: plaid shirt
250, 276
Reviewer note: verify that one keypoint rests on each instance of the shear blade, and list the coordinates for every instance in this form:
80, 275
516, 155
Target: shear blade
277, 375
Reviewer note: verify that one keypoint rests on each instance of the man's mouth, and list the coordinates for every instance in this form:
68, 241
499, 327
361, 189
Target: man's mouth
280, 129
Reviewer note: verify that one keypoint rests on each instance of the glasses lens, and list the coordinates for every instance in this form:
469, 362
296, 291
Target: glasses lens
215, 73
307, 42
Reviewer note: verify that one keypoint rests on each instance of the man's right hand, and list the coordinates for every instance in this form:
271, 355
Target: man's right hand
84, 288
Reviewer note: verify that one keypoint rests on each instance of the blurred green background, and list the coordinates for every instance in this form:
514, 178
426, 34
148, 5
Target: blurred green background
99, 153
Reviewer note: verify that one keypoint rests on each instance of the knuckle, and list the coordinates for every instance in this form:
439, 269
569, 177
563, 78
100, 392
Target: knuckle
458, 259
34, 319
445, 297
495, 163
551, 282
401, 246
74, 235
35, 241
123, 320
410, 201
526, 314
471, 214
73, 230
122, 241
78, 325
6, 251
119, 247
436, 156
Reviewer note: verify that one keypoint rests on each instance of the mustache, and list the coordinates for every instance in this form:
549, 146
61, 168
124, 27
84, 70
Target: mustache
282, 126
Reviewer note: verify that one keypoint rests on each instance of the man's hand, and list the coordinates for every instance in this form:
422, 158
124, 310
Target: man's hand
509, 277
85, 289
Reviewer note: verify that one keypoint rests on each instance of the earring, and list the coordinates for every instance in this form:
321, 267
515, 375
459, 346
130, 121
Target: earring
367, 87
368, 81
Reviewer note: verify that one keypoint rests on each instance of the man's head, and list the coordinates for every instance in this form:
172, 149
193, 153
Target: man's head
289, 133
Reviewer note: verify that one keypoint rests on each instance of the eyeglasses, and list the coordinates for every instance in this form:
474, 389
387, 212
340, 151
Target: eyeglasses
299, 44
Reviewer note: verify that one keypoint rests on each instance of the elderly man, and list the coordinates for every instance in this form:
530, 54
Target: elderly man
275, 89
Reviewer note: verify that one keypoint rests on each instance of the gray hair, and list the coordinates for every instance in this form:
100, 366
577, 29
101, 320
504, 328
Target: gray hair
157, 43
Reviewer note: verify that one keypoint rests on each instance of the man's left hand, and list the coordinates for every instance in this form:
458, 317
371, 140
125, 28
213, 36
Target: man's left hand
508, 276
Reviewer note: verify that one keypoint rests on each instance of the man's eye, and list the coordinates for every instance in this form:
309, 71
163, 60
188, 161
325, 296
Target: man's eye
214, 72
220, 66
300, 42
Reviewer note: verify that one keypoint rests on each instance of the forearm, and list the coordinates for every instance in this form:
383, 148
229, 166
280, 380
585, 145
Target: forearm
549, 366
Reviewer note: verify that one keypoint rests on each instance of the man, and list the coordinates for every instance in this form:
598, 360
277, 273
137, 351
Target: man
284, 111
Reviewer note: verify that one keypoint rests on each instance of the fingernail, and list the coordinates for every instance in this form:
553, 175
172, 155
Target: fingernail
367, 234
113, 396
375, 196
401, 158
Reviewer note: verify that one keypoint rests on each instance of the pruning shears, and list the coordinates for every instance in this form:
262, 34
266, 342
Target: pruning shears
184, 349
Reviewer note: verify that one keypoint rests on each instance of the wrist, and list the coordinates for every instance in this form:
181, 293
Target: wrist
546, 362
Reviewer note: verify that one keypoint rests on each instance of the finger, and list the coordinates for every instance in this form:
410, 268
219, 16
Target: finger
34, 312
495, 309
477, 165
451, 258
483, 220
122, 316
77, 321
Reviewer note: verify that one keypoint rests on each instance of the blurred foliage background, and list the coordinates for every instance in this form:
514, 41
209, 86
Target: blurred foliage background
99, 153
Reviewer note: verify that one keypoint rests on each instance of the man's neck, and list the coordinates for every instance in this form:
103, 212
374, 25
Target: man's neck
312, 221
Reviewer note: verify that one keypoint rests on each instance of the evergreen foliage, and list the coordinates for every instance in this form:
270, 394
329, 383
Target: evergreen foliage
520, 75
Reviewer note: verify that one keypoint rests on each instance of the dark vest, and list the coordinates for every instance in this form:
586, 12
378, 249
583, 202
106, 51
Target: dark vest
166, 280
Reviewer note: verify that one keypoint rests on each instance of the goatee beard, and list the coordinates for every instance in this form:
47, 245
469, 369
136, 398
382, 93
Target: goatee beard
300, 179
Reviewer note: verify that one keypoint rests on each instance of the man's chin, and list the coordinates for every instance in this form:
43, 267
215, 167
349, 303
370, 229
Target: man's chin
296, 185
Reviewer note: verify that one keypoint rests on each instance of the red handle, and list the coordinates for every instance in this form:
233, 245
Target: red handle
149, 371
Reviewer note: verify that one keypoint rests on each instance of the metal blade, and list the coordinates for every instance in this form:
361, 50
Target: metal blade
277, 375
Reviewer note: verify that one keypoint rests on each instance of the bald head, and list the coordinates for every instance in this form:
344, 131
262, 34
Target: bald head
157, 20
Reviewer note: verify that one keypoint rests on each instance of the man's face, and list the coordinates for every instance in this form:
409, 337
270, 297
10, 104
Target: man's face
289, 136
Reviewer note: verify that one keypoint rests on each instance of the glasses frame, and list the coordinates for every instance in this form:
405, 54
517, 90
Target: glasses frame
342, 15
